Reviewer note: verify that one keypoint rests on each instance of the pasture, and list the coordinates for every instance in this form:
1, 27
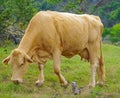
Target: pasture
73, 69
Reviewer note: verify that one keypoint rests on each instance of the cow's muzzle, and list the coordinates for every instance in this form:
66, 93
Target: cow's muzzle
17, 81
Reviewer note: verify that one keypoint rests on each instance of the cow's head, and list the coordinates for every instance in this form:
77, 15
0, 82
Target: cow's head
19, 61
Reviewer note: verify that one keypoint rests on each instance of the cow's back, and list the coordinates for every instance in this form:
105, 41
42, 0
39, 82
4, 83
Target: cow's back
69, 32
76, 31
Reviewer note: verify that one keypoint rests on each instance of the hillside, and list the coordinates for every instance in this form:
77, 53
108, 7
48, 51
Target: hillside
73, 69
15, 16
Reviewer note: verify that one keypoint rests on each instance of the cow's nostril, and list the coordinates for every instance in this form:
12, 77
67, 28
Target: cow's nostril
16, 81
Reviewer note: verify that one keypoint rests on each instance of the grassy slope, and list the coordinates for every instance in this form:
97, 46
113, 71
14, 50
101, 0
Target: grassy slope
73, 69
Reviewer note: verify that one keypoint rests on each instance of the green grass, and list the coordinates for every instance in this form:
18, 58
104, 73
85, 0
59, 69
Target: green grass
73, 69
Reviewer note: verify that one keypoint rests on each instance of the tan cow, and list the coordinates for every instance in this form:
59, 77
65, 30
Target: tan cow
51, 34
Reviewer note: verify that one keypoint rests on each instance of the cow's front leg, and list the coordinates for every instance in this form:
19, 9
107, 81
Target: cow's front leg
57, 61
40, 80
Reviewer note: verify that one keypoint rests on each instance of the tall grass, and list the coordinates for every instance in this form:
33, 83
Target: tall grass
73, 69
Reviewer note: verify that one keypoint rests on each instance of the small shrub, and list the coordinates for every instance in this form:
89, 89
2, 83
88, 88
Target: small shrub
106, 32
115, 33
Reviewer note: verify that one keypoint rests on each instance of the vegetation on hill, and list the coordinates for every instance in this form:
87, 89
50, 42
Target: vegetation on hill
14, 15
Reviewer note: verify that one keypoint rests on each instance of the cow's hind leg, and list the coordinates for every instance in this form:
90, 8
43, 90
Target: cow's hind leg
94, 63
57, 61
101, 72
40, 80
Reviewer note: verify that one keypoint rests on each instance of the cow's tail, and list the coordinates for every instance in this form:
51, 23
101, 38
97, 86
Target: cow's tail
101, 63
101, 59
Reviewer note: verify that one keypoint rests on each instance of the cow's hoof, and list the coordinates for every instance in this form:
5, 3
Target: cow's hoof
99, 83
65, 85
91, 85
16, 82
38, 83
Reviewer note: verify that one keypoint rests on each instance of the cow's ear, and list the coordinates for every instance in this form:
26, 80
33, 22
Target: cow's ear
29, 60
6, 60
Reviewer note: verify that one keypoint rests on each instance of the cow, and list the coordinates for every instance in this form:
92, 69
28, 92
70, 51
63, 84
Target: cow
52, 34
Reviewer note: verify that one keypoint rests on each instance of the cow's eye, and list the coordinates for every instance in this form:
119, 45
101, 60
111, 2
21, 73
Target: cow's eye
21, 64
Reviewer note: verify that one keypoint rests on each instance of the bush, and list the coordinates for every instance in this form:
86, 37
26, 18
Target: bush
115, 33
106, 32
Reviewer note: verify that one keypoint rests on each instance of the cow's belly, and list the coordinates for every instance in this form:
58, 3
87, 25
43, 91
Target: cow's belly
73, 49
70, 54
74, 44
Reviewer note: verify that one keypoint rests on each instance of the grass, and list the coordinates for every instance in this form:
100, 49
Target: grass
73, 69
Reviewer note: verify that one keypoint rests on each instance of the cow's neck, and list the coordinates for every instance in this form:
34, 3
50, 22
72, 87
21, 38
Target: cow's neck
26, 43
